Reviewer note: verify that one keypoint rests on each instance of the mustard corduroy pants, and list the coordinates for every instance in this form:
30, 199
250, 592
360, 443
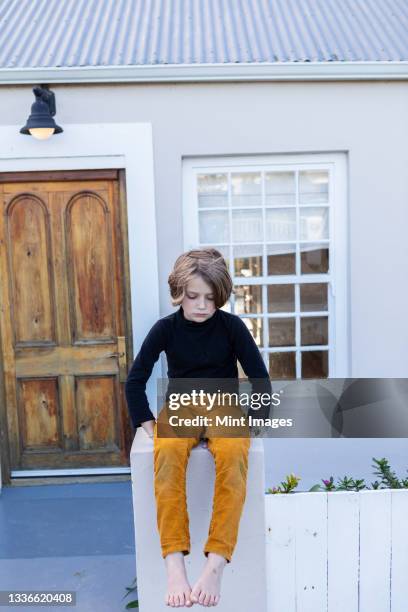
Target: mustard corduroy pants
171, 457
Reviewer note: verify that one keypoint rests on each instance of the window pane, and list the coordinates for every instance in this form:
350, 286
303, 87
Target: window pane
314, 258
281, 258
313, 186
246, 189
314, 223
314, 330
280, 224
214, 226
313, 296
248, 260
212, 190
224, 250
248, 299
281, 298
315, 364
247, 225
255, 327
280, 188
282, 365
282, 332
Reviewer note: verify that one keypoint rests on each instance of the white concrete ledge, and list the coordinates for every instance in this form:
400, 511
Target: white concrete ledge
244, 582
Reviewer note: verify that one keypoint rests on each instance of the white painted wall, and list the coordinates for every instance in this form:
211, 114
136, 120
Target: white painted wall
368, 120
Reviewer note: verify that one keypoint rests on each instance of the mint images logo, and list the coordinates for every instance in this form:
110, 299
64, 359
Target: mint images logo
227, 421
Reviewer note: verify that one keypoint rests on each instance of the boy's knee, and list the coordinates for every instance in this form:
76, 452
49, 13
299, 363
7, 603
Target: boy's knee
168, 473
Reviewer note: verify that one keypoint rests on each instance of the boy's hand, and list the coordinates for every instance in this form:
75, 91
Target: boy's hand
148, 426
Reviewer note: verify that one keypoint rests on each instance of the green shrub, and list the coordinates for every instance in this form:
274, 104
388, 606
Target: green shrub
387, 480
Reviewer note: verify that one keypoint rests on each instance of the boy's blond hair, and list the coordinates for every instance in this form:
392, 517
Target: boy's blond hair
207, 263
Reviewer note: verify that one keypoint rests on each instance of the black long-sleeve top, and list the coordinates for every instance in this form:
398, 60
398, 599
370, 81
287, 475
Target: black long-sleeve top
207, 349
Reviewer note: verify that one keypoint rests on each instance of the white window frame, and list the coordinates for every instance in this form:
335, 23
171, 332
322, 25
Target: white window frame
336, 165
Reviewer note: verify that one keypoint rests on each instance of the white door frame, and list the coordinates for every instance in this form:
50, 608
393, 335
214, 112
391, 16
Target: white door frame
85, 146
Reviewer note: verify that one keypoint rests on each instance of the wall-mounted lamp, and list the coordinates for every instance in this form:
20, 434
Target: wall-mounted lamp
40, 123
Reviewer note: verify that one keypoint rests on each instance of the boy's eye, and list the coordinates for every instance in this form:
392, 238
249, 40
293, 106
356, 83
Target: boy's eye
192, 297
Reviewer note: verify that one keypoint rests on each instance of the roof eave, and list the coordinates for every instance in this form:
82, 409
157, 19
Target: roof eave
159, 73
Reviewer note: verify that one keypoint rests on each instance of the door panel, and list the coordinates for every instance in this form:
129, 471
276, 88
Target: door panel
64, 324
28, 241
90, 254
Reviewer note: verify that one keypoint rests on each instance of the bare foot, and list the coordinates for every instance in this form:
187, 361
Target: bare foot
207, 589
178, 588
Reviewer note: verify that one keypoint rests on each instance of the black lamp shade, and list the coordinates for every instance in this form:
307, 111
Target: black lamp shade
40, 115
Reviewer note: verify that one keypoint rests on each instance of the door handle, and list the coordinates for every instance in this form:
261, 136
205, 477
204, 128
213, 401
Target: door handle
121, 355
122, 358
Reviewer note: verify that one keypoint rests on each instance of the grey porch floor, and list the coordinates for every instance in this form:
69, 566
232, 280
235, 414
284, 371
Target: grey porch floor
76, 537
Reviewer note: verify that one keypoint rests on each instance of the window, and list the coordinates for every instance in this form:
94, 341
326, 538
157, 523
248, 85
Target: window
280, 224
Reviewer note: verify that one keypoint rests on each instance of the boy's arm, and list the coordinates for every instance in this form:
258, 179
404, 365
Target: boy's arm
253, 365
139, 374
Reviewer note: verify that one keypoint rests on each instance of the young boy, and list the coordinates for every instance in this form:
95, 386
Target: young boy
200, 341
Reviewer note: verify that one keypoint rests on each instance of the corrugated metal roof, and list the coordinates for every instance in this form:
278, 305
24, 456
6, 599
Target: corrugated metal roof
68, 33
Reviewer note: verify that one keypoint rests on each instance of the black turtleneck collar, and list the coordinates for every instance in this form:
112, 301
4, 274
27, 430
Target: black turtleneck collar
196, 324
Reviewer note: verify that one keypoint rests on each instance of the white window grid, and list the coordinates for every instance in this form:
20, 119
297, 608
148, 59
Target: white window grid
191, 240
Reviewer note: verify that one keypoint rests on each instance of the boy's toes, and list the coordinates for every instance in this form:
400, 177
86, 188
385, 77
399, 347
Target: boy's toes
194, 597
174, 601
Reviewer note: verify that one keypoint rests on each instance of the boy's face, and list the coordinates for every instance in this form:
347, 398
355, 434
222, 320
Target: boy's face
198, 302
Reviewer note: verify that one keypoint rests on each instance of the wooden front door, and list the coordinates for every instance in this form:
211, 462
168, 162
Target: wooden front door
65, 323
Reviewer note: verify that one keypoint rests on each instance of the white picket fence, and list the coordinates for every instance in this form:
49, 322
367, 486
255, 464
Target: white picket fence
337, 551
